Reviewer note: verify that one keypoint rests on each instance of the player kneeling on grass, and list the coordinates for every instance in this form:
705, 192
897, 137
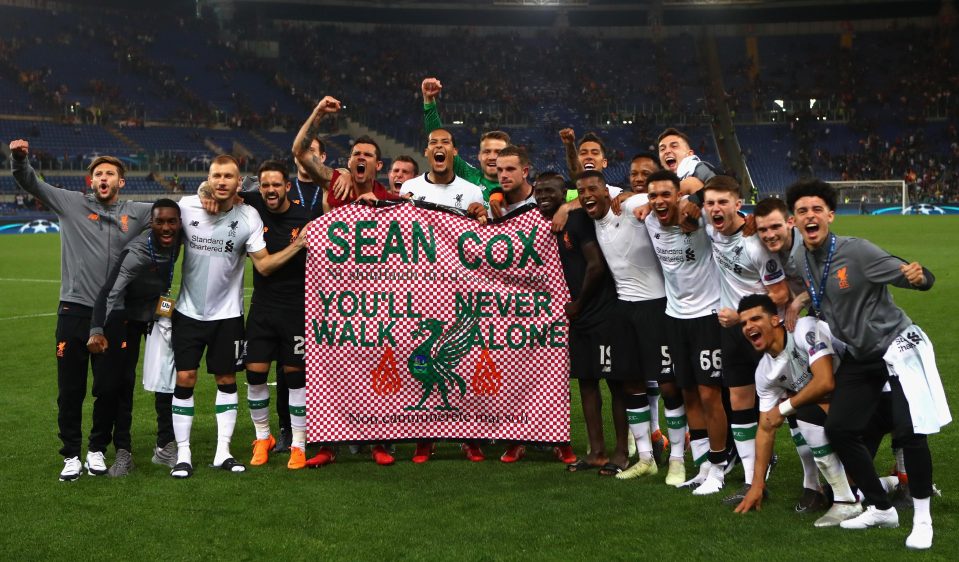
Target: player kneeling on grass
799, 366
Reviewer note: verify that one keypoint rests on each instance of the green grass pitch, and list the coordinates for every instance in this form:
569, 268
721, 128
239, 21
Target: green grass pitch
448, 509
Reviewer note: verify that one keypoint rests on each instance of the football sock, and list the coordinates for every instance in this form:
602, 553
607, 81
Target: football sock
743, 424
676, 430
828, 462
298, 416
810, 470
699, 445
183, 422
652, 392
637, 415
258, 399
226, 406
921, 513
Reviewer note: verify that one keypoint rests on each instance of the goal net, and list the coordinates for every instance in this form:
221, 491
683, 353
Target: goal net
870, 196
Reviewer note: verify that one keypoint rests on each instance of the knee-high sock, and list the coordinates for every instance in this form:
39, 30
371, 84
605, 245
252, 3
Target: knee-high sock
827, 461
182, 409
298, 416
810, 471
699, 445
258, 399
676, 429
637, 415
226, 406
743, 424
652, 392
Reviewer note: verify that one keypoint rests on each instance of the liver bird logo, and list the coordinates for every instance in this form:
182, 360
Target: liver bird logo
434, 362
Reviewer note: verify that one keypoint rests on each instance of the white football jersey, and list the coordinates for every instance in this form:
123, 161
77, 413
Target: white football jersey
629, 253
513, 206
789, 371
459, 193
745, 266
211, 287
692, 280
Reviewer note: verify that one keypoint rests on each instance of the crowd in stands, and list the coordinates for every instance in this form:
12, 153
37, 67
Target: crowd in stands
883, 88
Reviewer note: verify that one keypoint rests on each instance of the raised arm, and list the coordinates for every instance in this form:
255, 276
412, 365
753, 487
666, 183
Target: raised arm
431, 88
568, 136
318, 172
55, 198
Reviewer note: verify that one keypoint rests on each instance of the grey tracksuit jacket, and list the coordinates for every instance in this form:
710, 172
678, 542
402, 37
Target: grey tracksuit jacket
91, 234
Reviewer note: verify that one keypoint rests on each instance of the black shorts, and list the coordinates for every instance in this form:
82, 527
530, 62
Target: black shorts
222, 339
275, 334
640, 350
739, 358
589, 352
696, 349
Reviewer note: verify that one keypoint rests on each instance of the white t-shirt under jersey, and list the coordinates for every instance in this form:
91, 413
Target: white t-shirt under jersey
691, 276
211, 287
789, 371
459, 193
745, 266
629, 253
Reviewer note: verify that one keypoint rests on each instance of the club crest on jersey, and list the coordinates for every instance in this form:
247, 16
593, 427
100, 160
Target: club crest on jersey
93, 217
233, 226
61, 347
124, 223
459, 201
841, 275
293, 234
567, 242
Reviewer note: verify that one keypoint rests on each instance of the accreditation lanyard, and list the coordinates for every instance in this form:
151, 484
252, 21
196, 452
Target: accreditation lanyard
817, 294
302, 199
153, 257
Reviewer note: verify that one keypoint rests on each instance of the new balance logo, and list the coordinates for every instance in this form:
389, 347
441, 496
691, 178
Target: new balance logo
194, 223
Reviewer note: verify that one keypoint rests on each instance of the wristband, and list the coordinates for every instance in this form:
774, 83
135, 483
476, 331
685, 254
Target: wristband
786, 408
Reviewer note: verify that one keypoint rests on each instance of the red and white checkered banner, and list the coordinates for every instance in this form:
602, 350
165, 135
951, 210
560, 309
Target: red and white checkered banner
423, 324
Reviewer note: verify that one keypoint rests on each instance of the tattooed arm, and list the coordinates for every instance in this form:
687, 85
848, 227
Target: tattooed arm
319, 173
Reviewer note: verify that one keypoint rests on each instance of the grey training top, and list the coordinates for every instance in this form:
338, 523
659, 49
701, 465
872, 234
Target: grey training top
857, 304
792, 262
91, 234
135, 283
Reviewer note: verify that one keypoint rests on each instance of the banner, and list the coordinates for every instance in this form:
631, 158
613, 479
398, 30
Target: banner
424, 324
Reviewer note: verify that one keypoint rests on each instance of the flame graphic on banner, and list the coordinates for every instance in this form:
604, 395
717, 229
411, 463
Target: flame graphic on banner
486, 377
385, 378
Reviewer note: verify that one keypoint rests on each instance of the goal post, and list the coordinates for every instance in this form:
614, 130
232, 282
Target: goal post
872, 195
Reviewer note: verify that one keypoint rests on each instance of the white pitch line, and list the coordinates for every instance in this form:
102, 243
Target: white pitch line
15, 280
29, 316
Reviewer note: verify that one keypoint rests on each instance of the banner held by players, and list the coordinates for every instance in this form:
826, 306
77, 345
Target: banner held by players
423, 324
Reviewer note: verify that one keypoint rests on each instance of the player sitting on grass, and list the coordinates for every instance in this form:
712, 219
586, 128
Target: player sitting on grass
794, 379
